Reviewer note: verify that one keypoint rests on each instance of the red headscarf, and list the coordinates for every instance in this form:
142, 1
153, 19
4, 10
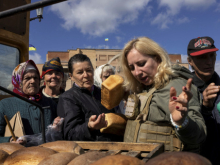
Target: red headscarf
17, 77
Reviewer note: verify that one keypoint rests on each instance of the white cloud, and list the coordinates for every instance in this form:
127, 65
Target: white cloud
162, 20
173, 7
36, 58
97, 17
218, 8
118, 39
182, 20
103, 47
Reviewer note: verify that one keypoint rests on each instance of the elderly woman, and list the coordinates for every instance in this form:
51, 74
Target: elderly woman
81, 107
170, 107
26, 82
53, 75
102, 73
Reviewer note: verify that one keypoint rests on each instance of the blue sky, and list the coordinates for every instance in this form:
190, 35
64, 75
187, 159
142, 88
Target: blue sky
86, 23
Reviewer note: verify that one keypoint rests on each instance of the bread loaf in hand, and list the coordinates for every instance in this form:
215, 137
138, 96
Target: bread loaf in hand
3, 156
116, 124
112, 91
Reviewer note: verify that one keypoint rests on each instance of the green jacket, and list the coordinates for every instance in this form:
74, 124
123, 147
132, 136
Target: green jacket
195, 132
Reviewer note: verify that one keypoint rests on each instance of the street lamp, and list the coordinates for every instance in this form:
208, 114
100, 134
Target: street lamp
39, 14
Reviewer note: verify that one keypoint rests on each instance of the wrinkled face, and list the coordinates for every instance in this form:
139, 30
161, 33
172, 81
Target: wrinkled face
106, 74
53, 79
143, 67
204, 65
83, 74
31, 83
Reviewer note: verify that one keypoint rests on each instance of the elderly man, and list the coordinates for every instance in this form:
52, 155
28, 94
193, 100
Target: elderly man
202, 56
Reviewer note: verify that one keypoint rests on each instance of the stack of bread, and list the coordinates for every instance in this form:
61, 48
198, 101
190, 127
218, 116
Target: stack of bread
112, 91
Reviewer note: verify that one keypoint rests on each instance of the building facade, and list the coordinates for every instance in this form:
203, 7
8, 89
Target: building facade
98, 57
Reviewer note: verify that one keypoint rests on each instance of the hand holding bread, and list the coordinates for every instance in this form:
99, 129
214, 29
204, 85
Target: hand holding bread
96, 124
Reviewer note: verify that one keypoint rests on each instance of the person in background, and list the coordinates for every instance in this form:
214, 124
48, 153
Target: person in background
66, 77
173, 101
202, 57
100, 75
81, 107
52, 75
26, 83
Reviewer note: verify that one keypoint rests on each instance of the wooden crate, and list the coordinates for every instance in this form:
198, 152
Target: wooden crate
143, 151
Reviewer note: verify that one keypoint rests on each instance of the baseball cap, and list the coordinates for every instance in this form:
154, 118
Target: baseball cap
201, 45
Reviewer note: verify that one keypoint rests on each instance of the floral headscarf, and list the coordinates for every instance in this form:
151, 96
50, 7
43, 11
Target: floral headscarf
17, 77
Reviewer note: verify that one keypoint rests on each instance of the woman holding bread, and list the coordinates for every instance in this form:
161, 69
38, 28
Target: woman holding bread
26, 82
169, 110
81, 107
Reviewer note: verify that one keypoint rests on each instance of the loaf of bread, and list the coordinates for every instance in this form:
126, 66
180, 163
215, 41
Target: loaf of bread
88, 158
112, 91
3, 156
64, 146
10, 147
116, 124
173, 158
62, 158
28, 156
119, 160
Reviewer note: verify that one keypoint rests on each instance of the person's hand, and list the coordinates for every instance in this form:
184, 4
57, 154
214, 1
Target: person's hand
18, 141
209, 95
178, 106
98, 123
56, 121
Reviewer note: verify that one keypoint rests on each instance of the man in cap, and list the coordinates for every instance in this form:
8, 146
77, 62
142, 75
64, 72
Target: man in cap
202, 56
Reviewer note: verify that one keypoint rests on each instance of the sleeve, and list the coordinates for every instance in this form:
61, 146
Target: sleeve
195, 132
2, 126
75, 126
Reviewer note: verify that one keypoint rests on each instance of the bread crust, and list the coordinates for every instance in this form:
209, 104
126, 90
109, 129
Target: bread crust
116, 124
3, 156
119, 160
58, 159
64, 146
29, 155
10, 147
87, 158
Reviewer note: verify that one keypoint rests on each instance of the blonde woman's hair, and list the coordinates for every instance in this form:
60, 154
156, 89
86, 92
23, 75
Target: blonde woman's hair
146, 46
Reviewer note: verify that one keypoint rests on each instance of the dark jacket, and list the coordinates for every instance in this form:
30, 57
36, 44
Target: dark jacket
77, 105
30, 114
211, 148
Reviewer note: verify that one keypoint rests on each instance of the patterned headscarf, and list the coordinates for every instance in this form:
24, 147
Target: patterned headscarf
53, 64
17, 77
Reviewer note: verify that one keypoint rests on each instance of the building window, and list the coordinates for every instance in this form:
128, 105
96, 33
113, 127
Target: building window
110, 57
102, 57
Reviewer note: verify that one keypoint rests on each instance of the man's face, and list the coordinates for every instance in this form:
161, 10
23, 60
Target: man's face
204, 65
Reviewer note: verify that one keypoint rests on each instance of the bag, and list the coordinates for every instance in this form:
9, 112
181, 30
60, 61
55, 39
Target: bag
52, 133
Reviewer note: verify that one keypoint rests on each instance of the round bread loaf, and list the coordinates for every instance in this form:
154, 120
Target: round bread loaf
87, 158
119, 160
10, 147
3, 156
64, 146
180, 158
58, 159
28, 156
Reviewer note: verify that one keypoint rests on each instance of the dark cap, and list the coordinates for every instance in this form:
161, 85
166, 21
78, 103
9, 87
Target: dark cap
201, 45
53, 64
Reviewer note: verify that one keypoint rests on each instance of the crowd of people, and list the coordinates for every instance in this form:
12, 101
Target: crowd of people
180, 107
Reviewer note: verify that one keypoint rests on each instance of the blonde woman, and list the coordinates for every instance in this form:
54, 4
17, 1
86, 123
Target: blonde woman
169, 103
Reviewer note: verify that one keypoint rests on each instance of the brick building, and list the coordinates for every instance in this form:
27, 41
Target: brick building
98, 57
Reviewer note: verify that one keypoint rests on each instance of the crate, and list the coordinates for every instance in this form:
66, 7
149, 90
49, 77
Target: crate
143, 151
